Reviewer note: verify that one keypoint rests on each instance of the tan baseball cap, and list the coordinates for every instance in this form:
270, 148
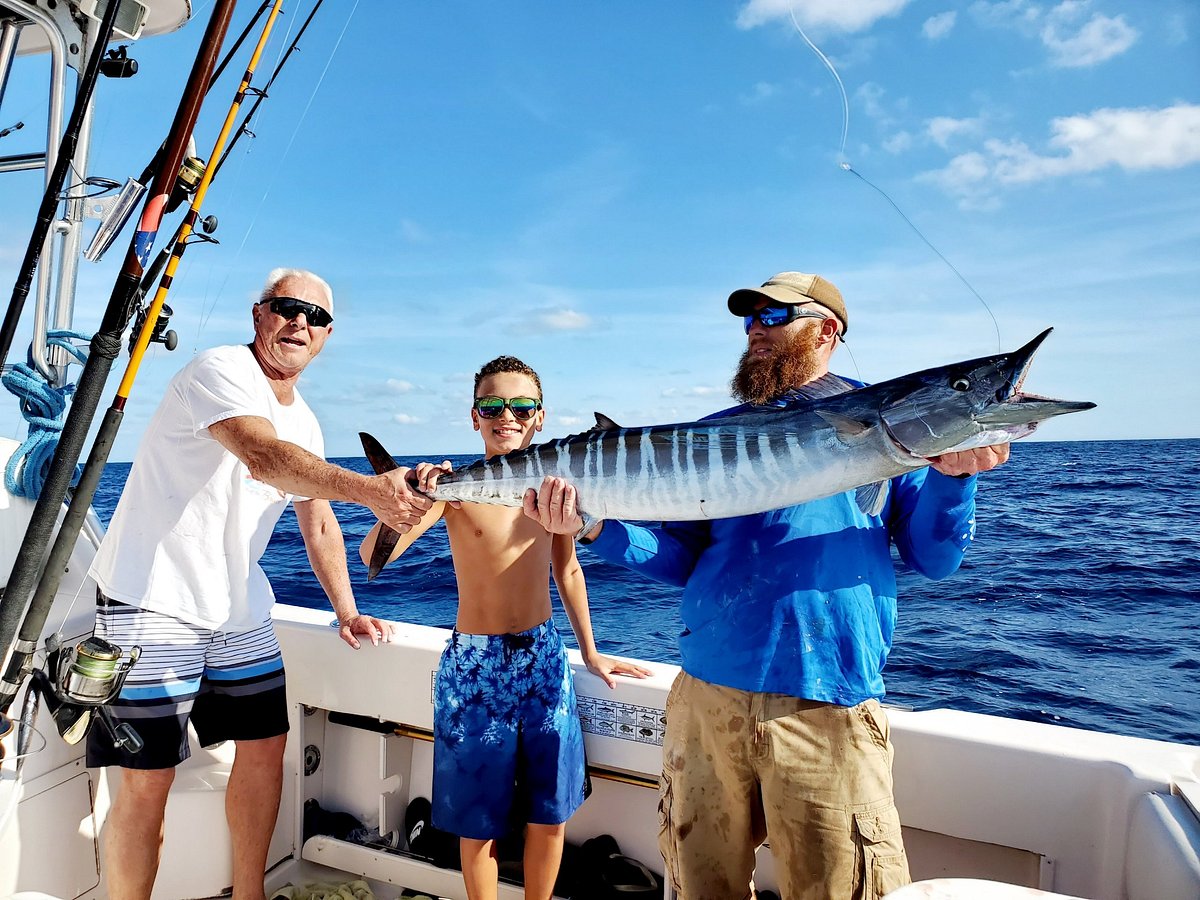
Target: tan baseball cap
791, 288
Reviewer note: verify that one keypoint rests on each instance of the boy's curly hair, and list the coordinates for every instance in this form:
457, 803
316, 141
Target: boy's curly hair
503, 364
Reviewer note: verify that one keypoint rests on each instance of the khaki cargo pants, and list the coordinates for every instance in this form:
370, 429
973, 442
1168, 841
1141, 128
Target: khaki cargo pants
814, 778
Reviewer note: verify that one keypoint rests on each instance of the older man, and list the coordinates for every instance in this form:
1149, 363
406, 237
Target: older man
231, 443
774, 728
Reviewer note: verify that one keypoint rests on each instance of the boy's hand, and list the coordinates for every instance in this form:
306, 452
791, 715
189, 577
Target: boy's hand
376, 629
605, 667
554, 506
427, 475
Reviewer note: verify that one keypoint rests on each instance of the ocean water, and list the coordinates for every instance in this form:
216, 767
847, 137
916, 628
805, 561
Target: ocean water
1079, 603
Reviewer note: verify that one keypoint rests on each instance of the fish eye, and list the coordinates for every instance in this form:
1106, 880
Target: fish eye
961, 384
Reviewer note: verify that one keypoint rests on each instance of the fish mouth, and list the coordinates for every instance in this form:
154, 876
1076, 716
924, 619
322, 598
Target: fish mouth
1016, 410
995, 408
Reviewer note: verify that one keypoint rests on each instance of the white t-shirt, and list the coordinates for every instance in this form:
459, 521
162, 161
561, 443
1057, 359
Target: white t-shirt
192, 524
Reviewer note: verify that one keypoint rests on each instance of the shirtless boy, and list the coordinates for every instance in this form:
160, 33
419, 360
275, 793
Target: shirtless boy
506, 730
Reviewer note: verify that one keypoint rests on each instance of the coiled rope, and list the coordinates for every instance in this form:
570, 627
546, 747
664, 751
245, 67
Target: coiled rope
44, 407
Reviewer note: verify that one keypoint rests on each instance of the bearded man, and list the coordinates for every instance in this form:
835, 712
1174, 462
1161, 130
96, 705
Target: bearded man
774, 726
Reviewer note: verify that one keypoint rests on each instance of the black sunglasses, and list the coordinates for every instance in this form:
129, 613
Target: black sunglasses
290, 307
493, 407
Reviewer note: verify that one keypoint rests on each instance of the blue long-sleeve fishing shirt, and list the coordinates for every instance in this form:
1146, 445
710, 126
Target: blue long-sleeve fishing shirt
800, 600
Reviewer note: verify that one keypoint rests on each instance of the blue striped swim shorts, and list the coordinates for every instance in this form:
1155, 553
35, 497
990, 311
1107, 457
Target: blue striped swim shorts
229, 685
508, 746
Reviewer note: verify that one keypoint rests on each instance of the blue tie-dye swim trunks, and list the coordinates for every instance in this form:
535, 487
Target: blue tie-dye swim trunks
508, 746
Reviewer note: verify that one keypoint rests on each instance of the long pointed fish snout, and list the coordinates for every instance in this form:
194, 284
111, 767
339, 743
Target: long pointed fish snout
1032, 407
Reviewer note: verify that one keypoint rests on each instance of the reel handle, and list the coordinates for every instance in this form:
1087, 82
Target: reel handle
123, 736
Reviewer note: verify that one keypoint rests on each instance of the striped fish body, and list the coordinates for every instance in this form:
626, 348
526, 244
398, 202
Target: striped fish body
832, 439
696, 470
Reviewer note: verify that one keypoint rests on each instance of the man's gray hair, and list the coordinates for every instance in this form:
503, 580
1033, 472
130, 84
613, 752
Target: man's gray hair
277, 275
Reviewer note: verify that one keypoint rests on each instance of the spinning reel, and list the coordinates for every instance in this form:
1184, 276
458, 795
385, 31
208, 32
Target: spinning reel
80, 681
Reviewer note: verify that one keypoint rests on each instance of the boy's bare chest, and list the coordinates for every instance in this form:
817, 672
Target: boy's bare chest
503, 531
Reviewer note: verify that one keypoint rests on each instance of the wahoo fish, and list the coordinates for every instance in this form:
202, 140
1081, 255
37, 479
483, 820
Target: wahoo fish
829, 439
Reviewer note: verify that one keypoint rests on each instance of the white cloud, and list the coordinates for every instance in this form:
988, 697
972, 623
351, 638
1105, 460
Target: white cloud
829, 15
1075, 36
870, 97
937, 27
1075, 46
695, 391
898, 142
942, 129
1130, 139
406, 419
413, 233
761, 92
562, 319
398, 386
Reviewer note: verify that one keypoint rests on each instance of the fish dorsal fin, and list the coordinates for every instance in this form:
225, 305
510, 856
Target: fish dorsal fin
603, 423
870, 497
828, 385
846, 425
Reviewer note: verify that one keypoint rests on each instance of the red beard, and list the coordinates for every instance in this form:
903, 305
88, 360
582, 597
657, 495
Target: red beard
761, 379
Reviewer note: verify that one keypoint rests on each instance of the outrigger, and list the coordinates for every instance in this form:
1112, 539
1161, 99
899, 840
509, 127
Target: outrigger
992, 807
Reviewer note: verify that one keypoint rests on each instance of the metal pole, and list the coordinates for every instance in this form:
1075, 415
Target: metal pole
105, 347
54, 185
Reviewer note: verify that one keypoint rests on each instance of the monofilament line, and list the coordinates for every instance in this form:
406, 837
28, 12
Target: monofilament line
288, 149
845, 165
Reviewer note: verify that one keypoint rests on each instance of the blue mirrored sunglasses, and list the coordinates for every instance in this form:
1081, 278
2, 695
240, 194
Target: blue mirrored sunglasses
290, 307
774, 316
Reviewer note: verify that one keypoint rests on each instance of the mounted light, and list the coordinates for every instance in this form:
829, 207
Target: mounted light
131, 17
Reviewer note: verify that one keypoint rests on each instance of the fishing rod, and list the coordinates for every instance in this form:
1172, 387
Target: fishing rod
261, 95
58, 178
81, 501
129, 196
81, 498
216, 75
160, 261
105, 346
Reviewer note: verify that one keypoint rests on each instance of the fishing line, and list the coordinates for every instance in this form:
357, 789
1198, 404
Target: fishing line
278, 167
27, 598
836, 77
845, 165
83, 495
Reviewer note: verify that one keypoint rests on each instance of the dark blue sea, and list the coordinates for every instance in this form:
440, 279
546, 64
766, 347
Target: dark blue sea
1078, 604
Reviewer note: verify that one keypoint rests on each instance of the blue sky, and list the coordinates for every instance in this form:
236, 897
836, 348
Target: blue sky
582, 185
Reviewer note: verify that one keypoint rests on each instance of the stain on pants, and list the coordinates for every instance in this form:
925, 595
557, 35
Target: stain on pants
813, 778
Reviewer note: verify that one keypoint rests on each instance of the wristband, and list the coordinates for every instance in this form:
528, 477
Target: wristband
589, 522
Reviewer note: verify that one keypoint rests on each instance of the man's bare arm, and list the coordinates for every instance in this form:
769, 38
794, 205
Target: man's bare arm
327, 555
291, 468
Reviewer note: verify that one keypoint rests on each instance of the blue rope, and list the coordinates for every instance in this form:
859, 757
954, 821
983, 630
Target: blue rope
44, 407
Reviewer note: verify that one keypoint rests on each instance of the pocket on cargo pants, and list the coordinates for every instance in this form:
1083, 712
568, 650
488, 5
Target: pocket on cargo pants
672, 761
881, 864
666, 834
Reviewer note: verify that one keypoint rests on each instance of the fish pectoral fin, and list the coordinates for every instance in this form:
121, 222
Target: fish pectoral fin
844, 424
871, 497
603, 423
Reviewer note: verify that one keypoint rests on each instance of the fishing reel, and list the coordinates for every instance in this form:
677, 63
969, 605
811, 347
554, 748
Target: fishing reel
190, 173
160, 333
79, 682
